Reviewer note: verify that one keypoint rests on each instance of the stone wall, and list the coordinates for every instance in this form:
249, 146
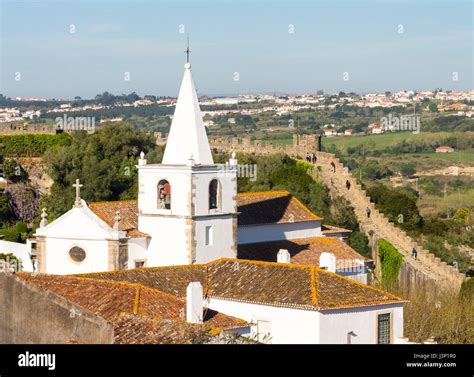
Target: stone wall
27, 128
301, 145
427, 267
30, 315
426, 263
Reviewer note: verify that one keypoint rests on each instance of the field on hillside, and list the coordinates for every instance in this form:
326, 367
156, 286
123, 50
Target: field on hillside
382, 141
431, 205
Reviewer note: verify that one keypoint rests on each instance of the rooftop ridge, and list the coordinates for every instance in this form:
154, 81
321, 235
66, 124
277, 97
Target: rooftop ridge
323, 271
115, 201
269, 192
85, 275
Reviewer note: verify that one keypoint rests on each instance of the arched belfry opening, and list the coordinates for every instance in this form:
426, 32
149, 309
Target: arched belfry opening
214, 194
164, 194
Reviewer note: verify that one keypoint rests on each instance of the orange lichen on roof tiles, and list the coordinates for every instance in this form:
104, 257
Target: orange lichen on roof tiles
270, 207
112, 300
280, 284
276, 284
170, 279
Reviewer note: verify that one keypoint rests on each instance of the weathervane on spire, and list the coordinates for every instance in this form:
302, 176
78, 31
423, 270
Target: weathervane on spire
187, 52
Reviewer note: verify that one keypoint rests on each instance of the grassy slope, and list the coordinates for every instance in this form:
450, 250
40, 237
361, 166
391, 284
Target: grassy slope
380, 142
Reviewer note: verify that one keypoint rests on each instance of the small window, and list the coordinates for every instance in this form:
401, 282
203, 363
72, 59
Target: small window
214, 194
164, 194
77, 254
208, 235
140, 263
383, 328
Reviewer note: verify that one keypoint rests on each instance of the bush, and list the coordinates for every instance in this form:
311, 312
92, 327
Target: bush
360, 243
391, 262
17, 233
31, 145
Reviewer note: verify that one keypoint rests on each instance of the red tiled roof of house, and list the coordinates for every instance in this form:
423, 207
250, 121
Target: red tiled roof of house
270, 207
302, 251
127, 305
276, 284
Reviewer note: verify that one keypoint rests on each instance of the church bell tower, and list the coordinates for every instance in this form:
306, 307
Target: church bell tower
187, 204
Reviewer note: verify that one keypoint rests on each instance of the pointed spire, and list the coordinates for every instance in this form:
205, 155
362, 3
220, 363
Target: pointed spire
187, 133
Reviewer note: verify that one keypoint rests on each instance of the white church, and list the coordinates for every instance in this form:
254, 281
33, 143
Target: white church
188, 212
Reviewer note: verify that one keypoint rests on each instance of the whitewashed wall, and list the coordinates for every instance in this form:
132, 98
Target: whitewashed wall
221, 245
137, 250
168, 245
335, 324
295, 326
276, 232
287, 325
58, 261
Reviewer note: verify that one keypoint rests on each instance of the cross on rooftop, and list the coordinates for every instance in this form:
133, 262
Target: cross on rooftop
78, 186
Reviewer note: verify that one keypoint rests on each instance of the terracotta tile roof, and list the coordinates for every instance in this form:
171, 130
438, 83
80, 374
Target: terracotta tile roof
302, 251
329, 229
171, 279
129, 305
271, 207
133, 329
128, 213
277, 284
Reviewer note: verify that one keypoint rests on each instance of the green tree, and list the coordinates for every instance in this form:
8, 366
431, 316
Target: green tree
104, 162
408, 169
433, 107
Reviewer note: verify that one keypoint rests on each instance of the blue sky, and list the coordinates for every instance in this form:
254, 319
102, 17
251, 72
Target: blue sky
249, 37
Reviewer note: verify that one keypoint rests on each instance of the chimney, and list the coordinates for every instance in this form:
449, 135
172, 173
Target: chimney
283, 256
327, 261
194, 302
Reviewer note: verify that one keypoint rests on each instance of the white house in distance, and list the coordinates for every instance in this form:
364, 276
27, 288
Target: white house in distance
330, 132
263, 258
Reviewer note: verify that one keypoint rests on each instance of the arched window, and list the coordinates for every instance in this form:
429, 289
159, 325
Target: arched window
164, 194
214, 201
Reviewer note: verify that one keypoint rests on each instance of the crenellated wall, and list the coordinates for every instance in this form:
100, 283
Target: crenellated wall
301, 145
425, 269
426, 266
